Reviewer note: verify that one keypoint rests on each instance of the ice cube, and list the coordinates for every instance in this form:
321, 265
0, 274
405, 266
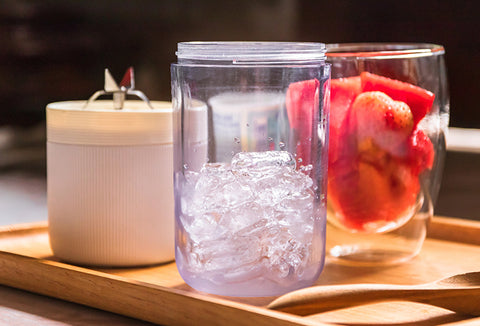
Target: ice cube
262, 163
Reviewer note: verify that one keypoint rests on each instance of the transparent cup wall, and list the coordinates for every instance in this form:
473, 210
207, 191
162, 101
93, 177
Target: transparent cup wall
389, 115
250, 169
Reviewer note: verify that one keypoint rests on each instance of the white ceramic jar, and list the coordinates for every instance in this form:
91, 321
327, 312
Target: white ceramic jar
110, 183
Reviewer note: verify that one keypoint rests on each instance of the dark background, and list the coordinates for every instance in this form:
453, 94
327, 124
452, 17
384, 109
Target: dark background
54, 50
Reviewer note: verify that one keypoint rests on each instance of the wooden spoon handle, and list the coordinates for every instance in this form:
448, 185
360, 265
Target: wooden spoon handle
324, 298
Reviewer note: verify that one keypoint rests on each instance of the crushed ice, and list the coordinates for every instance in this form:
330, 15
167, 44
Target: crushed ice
250, 218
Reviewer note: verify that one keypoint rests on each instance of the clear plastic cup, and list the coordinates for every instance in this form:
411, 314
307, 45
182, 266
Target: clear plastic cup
388, 118
250, 148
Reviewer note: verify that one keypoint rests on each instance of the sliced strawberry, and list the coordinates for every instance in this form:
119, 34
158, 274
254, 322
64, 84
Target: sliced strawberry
343, 92
421, 153
366, 196
378, 119
418, 99
302, 101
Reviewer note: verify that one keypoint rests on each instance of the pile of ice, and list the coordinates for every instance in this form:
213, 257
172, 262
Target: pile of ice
251, 218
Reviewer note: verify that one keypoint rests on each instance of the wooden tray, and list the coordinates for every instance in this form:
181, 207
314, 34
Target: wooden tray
158, 294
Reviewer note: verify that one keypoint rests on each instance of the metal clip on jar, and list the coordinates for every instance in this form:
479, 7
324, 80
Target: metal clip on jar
250, 206
109, 175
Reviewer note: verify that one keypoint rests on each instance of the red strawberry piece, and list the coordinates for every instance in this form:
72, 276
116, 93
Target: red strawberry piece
378, 119
368, 197
418, 99
302, 102
343, 92
421, 153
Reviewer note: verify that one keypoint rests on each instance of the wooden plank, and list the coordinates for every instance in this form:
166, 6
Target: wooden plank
21, 308
455, 229
132, 298
24, 228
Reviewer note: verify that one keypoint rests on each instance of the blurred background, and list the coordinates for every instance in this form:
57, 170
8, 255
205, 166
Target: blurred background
54, 50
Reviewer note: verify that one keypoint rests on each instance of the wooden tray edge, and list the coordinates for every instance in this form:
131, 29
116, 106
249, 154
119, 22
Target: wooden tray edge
23, 228
133, 298
455, 230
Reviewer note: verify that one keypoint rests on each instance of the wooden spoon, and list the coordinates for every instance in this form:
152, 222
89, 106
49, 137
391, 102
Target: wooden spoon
459, 293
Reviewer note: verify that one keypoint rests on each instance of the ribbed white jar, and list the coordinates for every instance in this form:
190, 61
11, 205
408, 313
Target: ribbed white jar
110, 183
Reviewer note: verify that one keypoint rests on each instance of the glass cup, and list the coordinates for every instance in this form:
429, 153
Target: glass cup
250, 159
388, 118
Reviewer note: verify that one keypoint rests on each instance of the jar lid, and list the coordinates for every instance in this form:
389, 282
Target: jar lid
136, 124
238, 53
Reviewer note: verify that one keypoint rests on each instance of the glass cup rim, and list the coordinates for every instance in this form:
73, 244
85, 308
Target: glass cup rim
382, 50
